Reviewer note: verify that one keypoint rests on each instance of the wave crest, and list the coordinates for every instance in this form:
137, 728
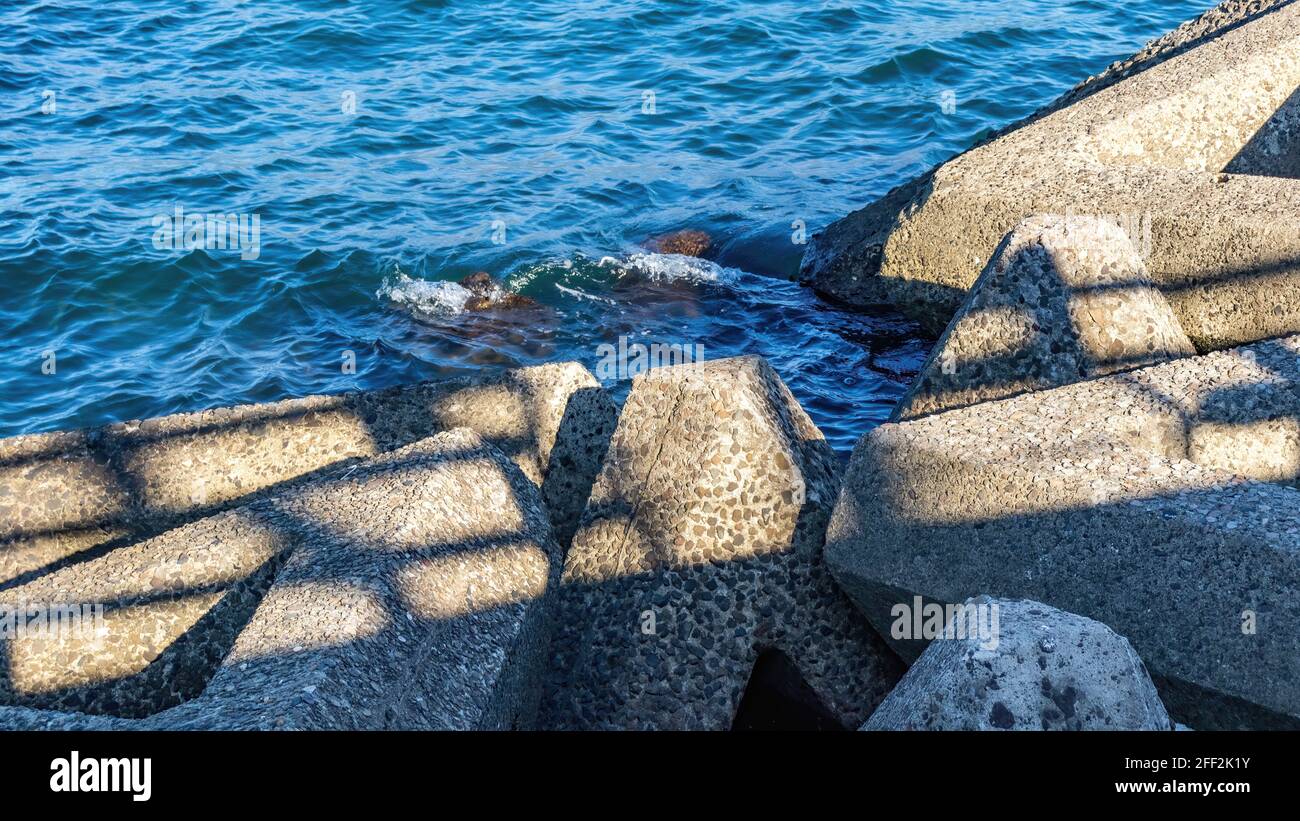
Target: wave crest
672, 268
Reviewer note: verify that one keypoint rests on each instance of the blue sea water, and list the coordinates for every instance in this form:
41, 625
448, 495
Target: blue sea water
387, 147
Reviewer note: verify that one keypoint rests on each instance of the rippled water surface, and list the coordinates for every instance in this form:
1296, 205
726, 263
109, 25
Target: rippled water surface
386, 147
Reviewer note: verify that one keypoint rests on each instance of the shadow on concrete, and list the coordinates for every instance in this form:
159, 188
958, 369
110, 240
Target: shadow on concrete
183, 669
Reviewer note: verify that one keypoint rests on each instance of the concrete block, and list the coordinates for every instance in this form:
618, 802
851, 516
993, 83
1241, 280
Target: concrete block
1160, 502
1193, 153
699, 551
410, 590
1038, 668
1063, 299
68, 492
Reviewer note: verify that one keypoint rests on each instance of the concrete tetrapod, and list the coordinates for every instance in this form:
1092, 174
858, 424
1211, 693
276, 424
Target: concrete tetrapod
1195, 154
1160, 502
1063, 299
1026, 666
410, 590
68, 492
698, 555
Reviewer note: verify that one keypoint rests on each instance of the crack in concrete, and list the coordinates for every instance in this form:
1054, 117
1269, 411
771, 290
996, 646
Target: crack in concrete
654, 463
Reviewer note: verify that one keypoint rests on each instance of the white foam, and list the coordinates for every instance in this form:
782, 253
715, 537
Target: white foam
442, 298
673, 268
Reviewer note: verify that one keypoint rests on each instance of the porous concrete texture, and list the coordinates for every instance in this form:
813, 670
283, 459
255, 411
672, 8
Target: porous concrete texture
1158, 501
64, 493
699, 549
1062, 299
1023, 666
1223, 17
414, 592
1194, 155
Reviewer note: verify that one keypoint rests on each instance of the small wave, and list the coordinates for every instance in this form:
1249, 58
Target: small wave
442, 298
672, 268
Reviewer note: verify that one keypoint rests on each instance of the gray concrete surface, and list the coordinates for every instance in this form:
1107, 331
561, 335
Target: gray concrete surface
699, 549
1160, 502
412, 590
65, 493
1062, 299
1003, 664
1194, 154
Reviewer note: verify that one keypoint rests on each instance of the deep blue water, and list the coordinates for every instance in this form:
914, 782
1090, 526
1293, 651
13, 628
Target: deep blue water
388, 146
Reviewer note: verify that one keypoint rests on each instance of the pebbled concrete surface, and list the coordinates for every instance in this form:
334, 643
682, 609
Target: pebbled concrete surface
701, 547
1063, 299
413, 592
1047, 670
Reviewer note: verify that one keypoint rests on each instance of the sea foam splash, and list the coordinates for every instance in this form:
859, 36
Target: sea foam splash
672, 268
447, 298
442, 298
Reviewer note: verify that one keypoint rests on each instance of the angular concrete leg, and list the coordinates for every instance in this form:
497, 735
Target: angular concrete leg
1063, 299
1003, 664
411, 590
1157, 501
699, 549
65, 493
1194, 155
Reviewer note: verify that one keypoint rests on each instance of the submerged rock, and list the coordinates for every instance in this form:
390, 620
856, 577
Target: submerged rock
687, 242
1029, 667
488, 294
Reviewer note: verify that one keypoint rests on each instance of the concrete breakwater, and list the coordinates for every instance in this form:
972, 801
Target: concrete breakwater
1081, 516
367, 560
438, 584
1065, 442
1193, 140
402, 559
